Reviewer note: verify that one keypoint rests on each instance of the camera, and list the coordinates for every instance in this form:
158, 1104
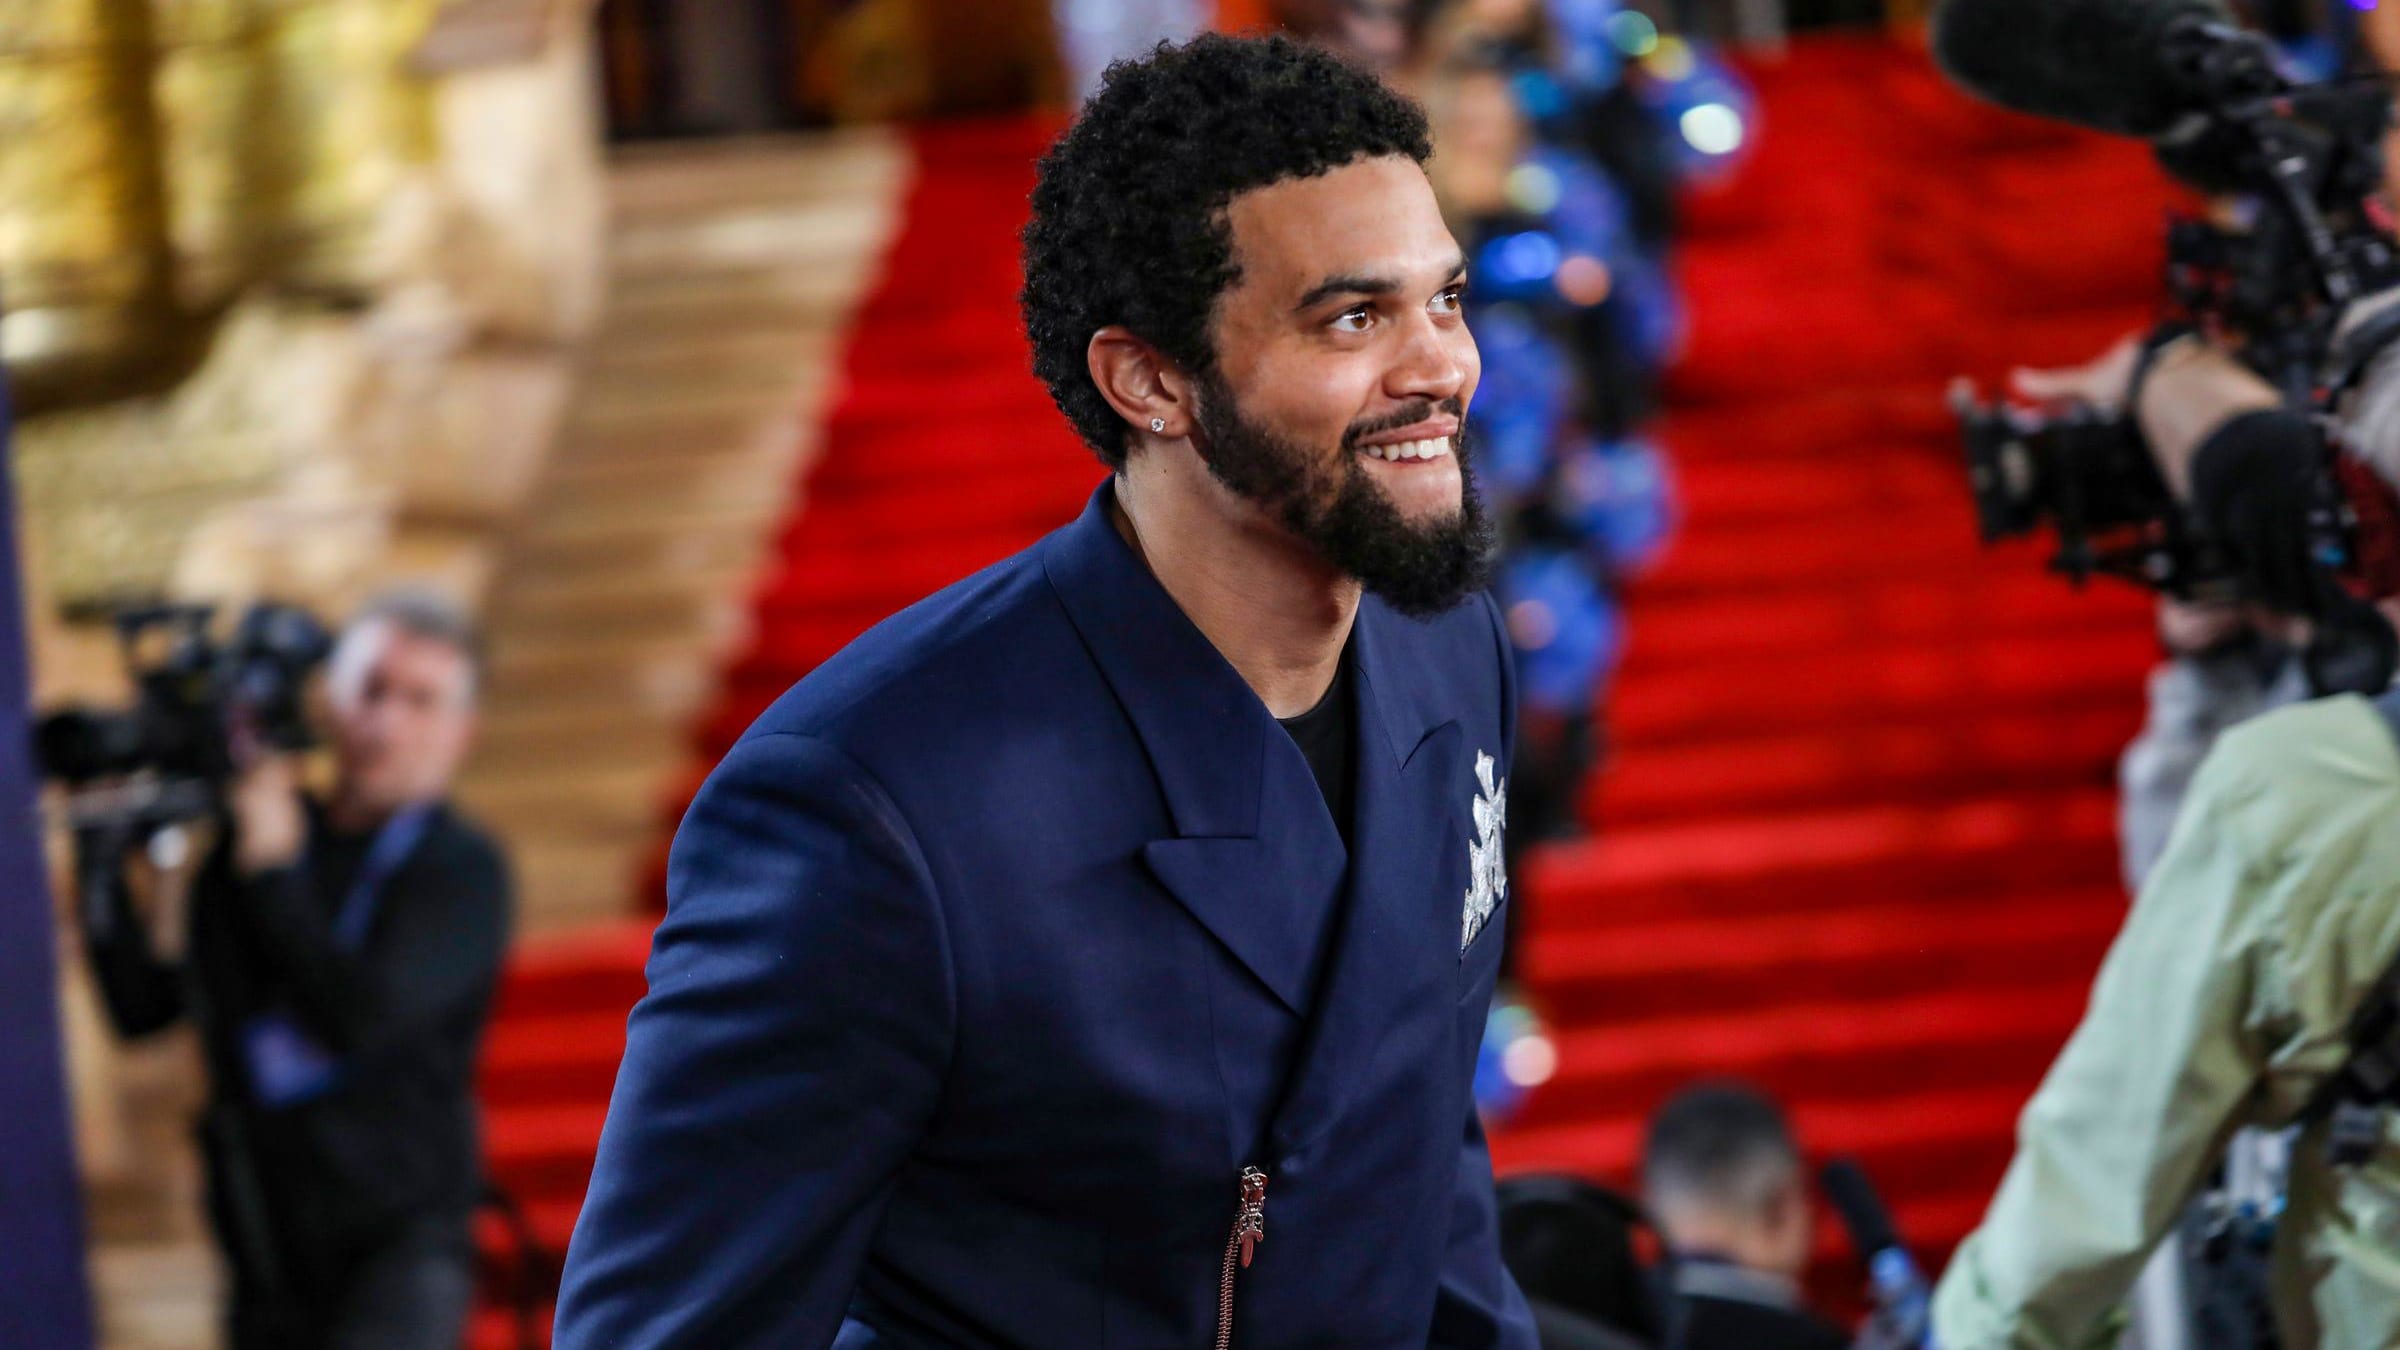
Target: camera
2088, 475
2298, 236
197, 698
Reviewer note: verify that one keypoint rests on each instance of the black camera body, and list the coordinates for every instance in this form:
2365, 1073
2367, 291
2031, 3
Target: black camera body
2300, 237
196, 698
2087, 474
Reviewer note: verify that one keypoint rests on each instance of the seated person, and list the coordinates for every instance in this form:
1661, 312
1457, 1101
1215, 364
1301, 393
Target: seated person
1723, 1181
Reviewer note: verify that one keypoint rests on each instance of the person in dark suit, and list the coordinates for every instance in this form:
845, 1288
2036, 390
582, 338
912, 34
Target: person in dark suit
340, 959
1723, 1182
1096, 953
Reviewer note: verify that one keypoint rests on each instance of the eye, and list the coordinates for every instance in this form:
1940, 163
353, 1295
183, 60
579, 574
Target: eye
1450, 301
1357, 319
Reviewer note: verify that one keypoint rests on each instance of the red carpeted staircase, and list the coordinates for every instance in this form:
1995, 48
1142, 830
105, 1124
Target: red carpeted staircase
1857, 840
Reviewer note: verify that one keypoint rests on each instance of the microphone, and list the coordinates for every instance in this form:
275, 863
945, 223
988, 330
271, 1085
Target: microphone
2127, 67
1903, 1298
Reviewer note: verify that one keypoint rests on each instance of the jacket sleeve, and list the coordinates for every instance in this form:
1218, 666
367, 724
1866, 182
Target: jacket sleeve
142, 993
2163, 1068
1478, 1306
787, 1057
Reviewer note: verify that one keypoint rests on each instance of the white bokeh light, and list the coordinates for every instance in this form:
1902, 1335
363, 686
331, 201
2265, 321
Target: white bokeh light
1713, 129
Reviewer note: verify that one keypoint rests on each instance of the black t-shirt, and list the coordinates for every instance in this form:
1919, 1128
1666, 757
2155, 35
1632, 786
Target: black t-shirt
1327, 735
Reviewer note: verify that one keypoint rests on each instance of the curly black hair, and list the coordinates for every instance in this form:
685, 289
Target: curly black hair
1129, 222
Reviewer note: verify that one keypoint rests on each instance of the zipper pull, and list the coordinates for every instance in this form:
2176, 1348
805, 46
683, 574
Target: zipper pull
1251, 1226
1249, 1230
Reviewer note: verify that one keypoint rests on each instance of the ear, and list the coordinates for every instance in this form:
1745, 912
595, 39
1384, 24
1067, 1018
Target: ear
1792, 1214
1141, 383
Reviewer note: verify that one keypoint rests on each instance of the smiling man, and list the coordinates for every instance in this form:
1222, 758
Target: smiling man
1096, 953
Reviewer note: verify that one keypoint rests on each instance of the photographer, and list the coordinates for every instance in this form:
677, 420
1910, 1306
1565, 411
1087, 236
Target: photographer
2264, 930
341, 954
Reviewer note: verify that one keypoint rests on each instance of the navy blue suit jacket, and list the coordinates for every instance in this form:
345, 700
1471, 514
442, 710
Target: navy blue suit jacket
999, 947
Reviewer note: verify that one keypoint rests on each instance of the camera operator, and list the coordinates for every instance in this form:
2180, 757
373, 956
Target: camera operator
1723, 1180
2264, 931
340, 958
2226, 662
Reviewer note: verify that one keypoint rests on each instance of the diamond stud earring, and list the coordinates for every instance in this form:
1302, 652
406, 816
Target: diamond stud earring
1158, 424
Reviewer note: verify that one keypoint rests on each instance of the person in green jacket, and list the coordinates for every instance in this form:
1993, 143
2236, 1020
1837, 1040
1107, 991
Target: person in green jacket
2224, 1003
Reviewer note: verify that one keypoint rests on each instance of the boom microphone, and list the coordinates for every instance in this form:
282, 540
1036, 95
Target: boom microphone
2111, 65
1903, 1299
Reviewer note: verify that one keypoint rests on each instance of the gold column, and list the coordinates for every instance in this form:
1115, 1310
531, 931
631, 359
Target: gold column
83, 259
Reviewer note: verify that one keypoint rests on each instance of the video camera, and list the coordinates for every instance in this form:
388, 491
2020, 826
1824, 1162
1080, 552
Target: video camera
2301, 236
197, 701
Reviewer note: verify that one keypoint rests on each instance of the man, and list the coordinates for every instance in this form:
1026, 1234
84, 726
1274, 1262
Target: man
341, 958
1023, 981
1724, 1184
2264, 928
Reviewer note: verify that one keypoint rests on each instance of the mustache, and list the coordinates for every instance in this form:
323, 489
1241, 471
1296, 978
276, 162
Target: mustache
1407, 416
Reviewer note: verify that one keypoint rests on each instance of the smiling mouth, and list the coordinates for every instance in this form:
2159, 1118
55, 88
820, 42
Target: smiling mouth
1432, 447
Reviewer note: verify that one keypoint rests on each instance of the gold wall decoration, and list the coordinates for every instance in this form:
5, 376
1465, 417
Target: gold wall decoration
290, 126
83, 265
226, 156
108, 497
360, 125
158, 156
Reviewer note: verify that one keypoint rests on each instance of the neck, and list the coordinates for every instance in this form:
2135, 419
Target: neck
351, 813
1275, 611
1727, 1240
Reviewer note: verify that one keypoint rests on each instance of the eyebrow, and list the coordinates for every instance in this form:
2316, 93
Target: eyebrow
1358, 283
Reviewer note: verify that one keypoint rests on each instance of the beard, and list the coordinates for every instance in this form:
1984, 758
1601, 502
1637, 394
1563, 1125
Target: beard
1339, 511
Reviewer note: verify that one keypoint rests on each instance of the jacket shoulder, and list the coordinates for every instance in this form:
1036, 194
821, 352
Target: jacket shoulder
961, 655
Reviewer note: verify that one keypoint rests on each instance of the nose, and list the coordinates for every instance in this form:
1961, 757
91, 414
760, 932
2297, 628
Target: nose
1439, 362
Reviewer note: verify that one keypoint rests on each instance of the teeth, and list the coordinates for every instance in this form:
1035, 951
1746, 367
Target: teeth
1433, 448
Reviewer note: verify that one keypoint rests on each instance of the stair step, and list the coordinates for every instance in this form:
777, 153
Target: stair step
2022, 603
1601, 975
1778, 862
594, 969
1860, 1044
1924, 759
543, 1152
1863, 685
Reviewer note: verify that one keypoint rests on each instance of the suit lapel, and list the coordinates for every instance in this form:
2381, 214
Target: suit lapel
1253, 848
1253, 854
1262, 895
1396, 946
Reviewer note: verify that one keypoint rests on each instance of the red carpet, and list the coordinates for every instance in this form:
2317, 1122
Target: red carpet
1857, 841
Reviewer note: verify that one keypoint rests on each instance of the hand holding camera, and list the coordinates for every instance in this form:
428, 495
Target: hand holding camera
269, 828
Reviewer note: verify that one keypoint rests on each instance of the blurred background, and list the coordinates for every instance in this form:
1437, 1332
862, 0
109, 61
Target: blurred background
676, 341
